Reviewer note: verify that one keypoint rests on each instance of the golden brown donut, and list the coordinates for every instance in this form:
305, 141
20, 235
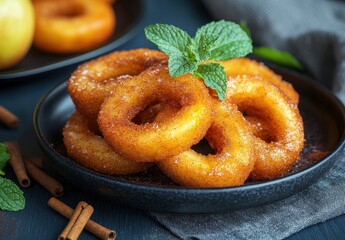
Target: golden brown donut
72, 26
93, 81
246, 66
229, 135
157, 140
91, 151
257, 98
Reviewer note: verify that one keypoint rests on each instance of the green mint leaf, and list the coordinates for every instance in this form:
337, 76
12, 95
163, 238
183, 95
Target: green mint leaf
180, 65
234, 49
4, 156
214, 77
226, 40
202, 49
169, 39
11, 197
279, 57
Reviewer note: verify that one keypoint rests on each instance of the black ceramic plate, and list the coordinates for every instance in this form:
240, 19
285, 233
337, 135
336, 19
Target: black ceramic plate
128, 16
324, 120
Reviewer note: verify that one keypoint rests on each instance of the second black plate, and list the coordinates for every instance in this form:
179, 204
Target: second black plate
128, 15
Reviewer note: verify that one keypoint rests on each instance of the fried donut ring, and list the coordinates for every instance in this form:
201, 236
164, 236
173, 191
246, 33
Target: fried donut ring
230, 137
157, 140
246, 66
72, 26
93, 81
90, 150
256, 97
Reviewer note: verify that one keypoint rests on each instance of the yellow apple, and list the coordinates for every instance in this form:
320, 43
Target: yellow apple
17, 25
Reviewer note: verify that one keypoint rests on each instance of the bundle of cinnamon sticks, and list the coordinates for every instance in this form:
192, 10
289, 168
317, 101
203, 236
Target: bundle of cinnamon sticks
79, 219
24, 167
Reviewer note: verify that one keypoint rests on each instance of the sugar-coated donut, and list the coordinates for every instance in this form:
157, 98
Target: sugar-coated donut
93, 81
257, 98
230, 137
246, 66
91, 151
157, 140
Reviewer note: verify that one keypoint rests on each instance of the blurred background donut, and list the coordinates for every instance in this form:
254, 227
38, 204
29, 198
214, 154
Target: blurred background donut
72, 26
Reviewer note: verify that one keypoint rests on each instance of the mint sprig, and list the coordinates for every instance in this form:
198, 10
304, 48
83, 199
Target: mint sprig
214, 41
11, 197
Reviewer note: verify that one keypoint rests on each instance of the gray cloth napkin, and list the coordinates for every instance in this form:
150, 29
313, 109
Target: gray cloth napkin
319, 202
314, 32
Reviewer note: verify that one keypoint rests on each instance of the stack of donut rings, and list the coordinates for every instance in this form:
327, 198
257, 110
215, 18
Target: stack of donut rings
131, 114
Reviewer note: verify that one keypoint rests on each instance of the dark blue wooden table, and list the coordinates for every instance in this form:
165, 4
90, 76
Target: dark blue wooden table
37, 220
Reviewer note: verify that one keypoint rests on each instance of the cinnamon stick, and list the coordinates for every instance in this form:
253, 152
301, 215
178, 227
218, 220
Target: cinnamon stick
17, 163
73, 219
91, 226
37, 161
44, 179
80, 223
8, 118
